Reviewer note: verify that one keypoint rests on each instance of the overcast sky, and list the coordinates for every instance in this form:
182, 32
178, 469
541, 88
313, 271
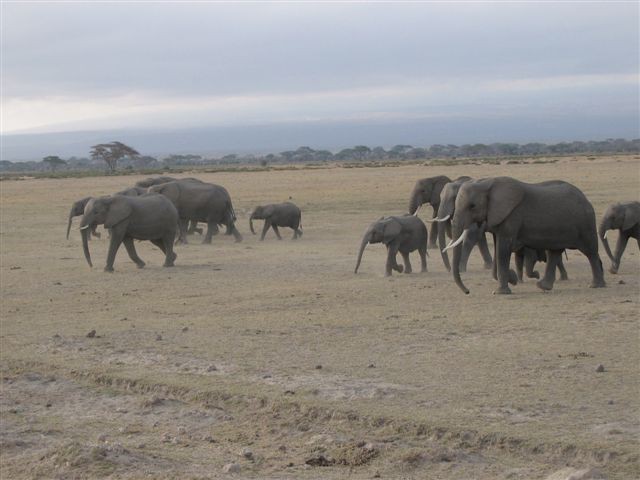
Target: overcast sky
91, 66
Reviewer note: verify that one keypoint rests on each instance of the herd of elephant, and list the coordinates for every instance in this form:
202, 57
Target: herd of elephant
160, 209
534, 222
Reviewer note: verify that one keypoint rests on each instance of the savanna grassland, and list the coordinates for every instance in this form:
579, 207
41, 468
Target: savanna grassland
268, 355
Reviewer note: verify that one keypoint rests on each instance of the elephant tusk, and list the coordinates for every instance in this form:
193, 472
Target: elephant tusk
605, 234
85, 227
415, 214
457, 242
440, 219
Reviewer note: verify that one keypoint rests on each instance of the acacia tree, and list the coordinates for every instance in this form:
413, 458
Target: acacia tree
54, 162
110, 153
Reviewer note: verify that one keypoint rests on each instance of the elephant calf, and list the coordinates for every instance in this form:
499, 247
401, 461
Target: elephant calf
148, 217
399, 234
278, 215
625, 217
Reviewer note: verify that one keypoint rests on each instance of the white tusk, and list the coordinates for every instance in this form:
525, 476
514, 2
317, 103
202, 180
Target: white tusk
440, 219
457, 242
84, 228
605, 234
415, 214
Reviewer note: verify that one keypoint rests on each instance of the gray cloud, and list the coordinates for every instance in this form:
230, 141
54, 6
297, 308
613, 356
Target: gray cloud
191, 63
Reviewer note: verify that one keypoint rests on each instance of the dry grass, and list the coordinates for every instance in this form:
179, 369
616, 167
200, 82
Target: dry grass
438, 384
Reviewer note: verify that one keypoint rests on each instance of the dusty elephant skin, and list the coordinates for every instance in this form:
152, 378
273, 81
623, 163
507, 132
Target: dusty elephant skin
277, 215
281, 350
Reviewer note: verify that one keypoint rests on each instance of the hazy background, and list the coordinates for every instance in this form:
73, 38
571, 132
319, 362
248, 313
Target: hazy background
215, 78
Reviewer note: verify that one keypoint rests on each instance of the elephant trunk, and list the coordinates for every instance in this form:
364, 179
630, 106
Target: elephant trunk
69, 224
85, 245
604, 227
457, 254
365, 241
442, 245
251, 224
414, 203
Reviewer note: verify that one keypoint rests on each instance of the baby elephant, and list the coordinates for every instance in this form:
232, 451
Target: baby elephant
625, 217
278, 215
400, 234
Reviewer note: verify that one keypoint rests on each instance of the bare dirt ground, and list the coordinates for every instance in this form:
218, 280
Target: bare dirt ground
274, 357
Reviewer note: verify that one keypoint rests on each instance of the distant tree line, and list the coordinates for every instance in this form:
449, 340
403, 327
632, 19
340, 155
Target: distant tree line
116, 155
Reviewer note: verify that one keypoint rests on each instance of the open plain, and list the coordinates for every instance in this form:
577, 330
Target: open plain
274, 360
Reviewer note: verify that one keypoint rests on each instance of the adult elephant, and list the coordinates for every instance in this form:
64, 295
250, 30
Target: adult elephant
476, 237
427, 190
147, 217
551, 215
625, 217
149, 182
200, 202
403, 234
276, 215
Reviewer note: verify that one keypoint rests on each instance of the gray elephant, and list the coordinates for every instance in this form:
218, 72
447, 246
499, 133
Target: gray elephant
551, 215
147, 217
277, 215
132, 192
148, 182
403, 234
427, 190
445, 212
625, 217
77, 209
200, 202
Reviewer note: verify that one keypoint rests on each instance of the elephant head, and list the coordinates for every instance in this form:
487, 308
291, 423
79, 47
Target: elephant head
109, 211
260, 213
384, 231
426, 190
482, 203
148, 182
618, 216
77, 209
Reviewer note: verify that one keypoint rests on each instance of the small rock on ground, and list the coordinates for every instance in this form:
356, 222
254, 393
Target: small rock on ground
91, 334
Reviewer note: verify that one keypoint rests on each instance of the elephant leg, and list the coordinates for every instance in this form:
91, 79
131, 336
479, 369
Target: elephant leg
422, 250
503, 256
265, 229
553, 256
597, 271
295, 233
392, 252
442, 244
530, 258
94, 232
211, 227
114, 243
275, 229
620, 246
193, 228
407, 263
182, 232
131, 250
494, 266
484, 251
519, 259
563, 271
169, 255
234, 231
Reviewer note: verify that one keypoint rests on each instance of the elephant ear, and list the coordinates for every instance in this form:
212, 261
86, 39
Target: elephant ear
119, 210
436, 190
504, 196
268, 210
631, 218
390, 230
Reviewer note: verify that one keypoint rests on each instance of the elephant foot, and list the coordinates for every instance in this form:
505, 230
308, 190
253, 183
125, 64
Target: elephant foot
598, 284
613, 270
564, 278
513, 277
108, 269
407, 271
502, 291
544, 285
140, 265
399, 268
534, 274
